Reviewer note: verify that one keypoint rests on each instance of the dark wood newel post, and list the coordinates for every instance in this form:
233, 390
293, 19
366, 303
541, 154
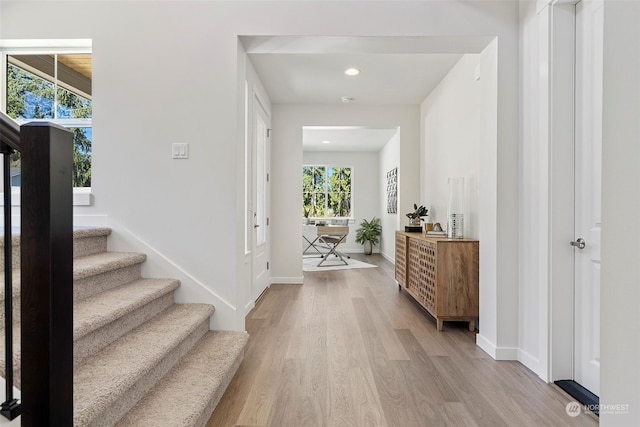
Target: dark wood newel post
47, 275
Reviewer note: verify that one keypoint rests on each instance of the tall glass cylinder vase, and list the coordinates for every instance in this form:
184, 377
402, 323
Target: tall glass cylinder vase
455, 214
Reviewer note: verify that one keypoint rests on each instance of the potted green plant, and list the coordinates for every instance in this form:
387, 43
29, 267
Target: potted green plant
305, 214
368, 234
417, 214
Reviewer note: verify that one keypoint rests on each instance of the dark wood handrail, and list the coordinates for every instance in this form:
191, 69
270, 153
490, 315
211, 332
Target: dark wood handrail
9, 131
46, 252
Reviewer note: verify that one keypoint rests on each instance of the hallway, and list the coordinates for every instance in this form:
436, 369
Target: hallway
348, 349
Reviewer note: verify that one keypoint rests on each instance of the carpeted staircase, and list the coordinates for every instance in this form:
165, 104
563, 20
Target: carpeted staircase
139, 358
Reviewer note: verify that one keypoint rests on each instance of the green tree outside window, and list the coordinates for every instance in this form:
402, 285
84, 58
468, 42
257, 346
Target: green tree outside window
32, 97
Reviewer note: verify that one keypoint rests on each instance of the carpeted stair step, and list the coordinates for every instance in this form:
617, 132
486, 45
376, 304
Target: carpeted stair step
89, 241
112, 381
92, 274
101, 319
86, 241
189, 393
97, 273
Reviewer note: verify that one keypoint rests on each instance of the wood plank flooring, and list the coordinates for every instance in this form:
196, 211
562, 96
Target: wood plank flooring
348, 349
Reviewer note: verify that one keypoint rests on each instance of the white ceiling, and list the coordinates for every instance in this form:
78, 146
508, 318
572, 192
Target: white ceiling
393, 71
345, 138
384, 79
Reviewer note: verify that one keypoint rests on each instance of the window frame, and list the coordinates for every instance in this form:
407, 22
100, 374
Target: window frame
81, 195
326, 167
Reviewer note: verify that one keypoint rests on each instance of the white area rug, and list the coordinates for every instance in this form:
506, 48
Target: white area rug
310, 263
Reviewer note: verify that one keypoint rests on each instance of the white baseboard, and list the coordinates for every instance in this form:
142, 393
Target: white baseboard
287, 280
498, 353
247, 308
389, 258
356, 251
533, 363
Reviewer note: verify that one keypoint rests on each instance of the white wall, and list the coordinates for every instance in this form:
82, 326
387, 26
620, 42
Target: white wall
620, 317
146, 99
287, 159
364, 187
452, 131
388, 159
168, 72
460, 138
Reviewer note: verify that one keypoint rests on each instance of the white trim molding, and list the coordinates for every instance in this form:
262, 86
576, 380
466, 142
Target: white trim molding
541, 4
81, 196
37, 45
287, 280
248, 307
498, 353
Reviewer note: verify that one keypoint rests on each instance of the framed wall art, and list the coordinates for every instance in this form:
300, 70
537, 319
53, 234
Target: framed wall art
392, 191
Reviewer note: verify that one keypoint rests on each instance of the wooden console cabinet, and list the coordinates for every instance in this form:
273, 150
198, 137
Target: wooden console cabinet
440, 274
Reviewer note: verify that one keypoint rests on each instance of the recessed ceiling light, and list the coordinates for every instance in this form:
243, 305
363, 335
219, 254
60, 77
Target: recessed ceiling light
352, 71
326, 142
346, 99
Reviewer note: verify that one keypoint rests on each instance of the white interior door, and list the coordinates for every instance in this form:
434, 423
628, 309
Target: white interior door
261, 161
588, 170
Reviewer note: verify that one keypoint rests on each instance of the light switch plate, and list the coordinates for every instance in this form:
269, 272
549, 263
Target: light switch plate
180, 150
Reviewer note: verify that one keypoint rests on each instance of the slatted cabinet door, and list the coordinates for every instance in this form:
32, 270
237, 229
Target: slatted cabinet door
414, 272
421, 277
401, 260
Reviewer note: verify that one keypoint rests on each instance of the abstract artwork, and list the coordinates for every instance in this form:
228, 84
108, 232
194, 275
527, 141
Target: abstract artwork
392, 191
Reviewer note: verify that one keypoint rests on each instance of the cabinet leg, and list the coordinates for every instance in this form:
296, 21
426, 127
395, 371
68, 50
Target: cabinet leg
439, 324
472, 325
399, 287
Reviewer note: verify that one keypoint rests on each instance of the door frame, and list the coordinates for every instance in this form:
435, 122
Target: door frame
258, 103
561, 34
589, 68
560, 37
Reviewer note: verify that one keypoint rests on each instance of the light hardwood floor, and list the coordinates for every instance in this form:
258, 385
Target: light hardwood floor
348, 349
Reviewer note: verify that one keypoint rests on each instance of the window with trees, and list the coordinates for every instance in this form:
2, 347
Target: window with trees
326, 191
56, 88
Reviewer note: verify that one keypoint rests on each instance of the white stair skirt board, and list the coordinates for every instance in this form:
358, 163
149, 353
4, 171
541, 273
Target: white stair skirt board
310, 263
